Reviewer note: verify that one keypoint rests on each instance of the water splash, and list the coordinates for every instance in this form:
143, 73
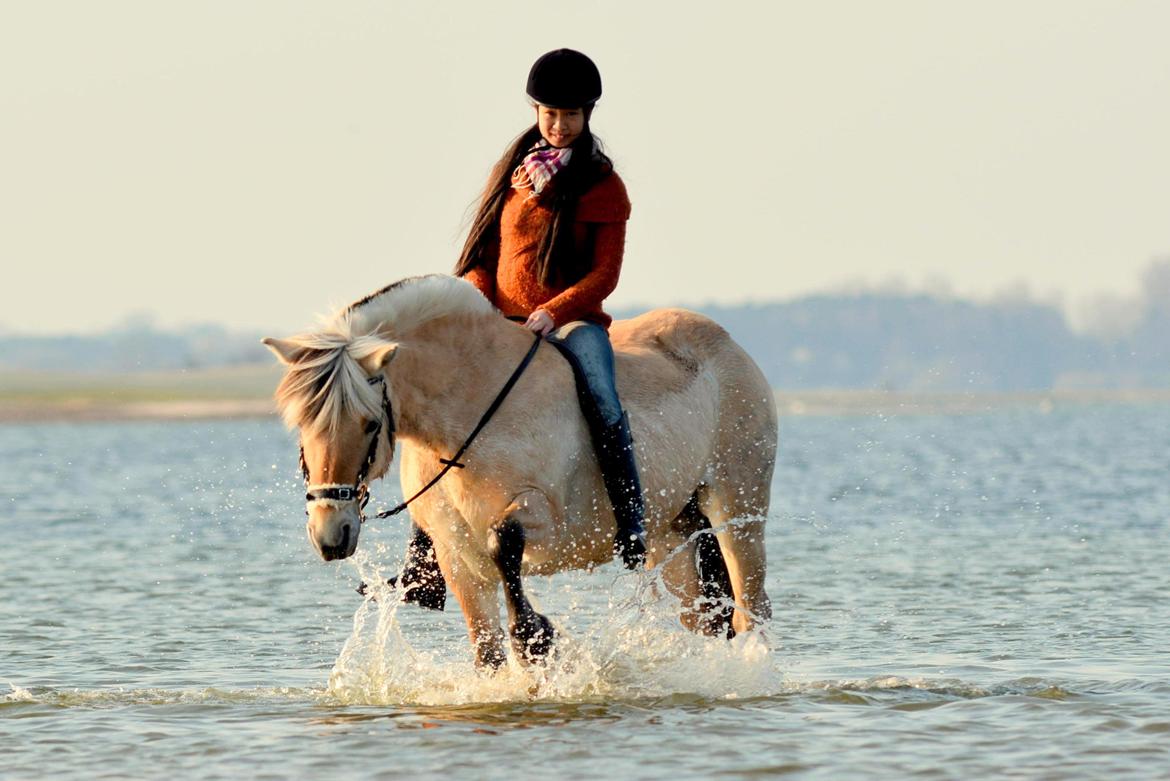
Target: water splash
17, 694
622, 640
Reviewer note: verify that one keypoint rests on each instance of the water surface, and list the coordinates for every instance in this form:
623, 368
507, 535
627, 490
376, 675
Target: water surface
956, 596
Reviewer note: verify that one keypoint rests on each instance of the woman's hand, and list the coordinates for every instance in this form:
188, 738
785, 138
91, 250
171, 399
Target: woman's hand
540, 321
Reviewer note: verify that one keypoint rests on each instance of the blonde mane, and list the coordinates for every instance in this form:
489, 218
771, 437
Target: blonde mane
325, 381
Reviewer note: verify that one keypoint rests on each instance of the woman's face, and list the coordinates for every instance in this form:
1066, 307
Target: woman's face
560, 126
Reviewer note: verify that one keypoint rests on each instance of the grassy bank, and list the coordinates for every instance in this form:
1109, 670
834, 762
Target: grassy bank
246, 391
238, 391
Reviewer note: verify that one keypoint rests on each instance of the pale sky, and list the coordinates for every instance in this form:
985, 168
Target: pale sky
257, 163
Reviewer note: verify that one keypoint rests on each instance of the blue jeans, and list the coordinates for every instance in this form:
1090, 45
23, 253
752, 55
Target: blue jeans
587, 346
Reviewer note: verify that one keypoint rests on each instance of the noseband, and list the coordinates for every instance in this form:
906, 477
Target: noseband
360, 490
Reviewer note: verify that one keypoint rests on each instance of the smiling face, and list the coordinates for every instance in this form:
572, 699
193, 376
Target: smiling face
560, 126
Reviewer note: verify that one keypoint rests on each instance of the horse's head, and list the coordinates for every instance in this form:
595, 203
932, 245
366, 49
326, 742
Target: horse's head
335, 392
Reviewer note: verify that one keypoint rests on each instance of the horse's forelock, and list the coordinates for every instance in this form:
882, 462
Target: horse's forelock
327, 382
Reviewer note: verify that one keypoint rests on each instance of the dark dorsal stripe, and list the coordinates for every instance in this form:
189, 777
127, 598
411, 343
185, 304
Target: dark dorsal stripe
392, 286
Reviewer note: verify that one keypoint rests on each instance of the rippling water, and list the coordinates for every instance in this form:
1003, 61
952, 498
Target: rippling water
956, 597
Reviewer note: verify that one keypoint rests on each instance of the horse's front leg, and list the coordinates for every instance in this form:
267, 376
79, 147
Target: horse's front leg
479, 601
532, 634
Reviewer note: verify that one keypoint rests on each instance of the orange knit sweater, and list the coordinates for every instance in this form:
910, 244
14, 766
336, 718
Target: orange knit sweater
513, 285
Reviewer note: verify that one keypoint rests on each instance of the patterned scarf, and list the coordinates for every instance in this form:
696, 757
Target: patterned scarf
539, 166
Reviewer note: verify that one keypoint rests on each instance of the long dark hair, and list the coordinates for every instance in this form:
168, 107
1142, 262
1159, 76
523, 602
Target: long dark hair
559, 262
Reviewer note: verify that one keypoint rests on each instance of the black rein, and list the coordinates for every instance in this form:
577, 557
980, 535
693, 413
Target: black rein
453, 462
360, 491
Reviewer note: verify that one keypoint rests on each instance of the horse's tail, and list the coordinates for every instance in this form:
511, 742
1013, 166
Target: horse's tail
731, 445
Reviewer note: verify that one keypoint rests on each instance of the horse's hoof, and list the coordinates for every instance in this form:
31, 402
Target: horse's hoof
532, 638
489, 658
632, 549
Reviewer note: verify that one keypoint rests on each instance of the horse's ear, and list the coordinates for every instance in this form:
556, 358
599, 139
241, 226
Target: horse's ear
285, 350
378, 359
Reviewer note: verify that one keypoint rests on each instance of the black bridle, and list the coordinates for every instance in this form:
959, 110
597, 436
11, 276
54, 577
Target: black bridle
360, 491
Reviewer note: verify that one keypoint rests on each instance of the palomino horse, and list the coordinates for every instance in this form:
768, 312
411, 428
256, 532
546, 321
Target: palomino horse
421, 360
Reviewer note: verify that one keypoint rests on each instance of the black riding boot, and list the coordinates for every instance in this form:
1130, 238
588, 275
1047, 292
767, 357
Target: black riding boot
615, 456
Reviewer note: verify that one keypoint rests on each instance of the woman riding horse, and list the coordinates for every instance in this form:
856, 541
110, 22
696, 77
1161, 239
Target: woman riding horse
546, 248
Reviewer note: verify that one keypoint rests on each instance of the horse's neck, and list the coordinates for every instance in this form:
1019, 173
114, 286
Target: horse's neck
447, 373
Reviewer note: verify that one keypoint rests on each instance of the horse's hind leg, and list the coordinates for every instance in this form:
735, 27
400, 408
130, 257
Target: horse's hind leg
739, 526
532, 634
698, 576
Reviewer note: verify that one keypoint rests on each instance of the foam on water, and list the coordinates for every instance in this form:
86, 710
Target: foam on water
17, 694
442, 684
120, 696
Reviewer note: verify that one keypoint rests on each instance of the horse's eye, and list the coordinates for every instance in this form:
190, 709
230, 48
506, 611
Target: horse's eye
371, 427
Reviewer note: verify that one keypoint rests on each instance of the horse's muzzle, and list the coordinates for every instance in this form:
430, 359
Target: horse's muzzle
341, 550
335, 536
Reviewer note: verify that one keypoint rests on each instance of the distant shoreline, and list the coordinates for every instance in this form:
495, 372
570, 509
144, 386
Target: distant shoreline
875, 402
29, 409
84, 410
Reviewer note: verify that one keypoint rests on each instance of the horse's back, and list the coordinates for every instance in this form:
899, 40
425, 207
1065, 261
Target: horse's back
683, 335
668, 350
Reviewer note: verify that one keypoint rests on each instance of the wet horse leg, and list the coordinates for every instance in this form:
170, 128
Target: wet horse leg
478, 598
698, 574
532, 634
740, 531
422, 581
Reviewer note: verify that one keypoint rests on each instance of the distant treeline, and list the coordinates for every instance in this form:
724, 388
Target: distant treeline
922, 342
134, 346
925, 343
902, 342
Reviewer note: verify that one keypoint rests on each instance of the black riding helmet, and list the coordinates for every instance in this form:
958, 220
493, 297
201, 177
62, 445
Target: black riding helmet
564, 78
